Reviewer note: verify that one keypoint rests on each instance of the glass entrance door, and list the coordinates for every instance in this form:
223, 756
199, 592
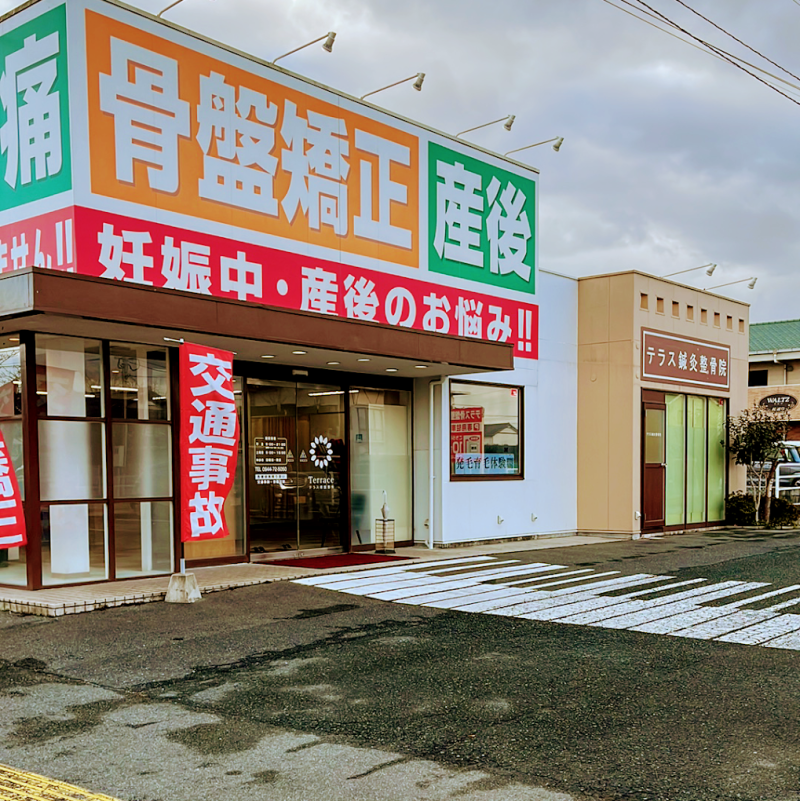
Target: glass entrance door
296, 465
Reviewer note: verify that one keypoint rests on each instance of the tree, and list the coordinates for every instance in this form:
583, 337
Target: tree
754, 440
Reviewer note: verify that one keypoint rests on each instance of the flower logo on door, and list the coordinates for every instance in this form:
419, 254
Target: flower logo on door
321, 452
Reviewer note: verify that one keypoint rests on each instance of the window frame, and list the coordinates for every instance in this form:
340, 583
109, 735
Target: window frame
520, 474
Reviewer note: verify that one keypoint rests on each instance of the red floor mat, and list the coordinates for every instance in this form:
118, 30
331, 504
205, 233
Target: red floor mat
338, 560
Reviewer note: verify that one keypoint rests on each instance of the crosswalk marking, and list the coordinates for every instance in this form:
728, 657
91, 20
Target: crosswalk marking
642, 602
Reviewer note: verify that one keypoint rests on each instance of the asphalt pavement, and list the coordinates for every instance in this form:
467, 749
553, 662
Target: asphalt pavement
289, 691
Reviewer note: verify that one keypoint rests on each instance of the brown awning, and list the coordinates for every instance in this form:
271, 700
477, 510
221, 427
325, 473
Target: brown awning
36, 292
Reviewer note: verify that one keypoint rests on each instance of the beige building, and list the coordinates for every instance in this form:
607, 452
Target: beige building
660, 366
774, 378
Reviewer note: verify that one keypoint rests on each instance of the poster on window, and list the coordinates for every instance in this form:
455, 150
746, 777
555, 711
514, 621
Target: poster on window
209, 440
12, 517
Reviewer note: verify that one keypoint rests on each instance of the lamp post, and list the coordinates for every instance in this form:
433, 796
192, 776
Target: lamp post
418, 78
327, 45
509, 121
750, 285
559, 140
710, 271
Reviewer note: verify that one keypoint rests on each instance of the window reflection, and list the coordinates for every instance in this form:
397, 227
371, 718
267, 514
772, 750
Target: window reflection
69, 376
139, 382
484, 430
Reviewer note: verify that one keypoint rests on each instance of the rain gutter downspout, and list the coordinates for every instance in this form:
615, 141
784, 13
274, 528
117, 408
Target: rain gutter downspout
437, 382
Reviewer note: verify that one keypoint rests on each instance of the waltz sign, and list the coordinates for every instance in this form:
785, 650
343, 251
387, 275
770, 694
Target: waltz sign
209, 440
12, 517
667, 357
780, 402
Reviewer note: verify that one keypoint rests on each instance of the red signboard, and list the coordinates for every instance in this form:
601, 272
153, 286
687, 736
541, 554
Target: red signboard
667, 357
209, 440
12, 517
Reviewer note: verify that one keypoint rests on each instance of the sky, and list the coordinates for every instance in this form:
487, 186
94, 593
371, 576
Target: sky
672, 158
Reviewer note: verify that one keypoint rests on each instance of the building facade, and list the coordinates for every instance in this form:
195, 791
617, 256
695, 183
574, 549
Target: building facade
660, 367
774, 377
375, 279
400, 362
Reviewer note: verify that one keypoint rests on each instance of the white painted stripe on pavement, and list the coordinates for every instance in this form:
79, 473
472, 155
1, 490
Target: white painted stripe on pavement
647, 612
605, 586
605, 606
545, 600
753, 599
475, 585
763, 632
783, 605
387, 570
443, 595
724, 624
552, 583
487, 599
572, 611
789, 642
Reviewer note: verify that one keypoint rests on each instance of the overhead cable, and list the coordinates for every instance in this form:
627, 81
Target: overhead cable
744, 44
708, 49
722, 53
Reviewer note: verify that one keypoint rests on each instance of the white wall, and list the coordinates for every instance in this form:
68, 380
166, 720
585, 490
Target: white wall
469, 509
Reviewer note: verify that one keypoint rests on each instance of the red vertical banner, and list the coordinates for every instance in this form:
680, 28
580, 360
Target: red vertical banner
12, 516
209, 440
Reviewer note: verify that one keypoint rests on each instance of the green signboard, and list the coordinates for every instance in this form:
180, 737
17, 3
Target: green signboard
481, 221
34, 110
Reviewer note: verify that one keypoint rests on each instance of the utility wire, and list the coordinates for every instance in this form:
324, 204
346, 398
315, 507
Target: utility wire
664, 30
709, 50
717, 50
744, 44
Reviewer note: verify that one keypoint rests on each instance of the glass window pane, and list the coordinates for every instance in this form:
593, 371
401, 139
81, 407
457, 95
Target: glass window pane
12, 434
71, 460
716, 458
68, 376
676, 459
13, 566
484, 430
380, 448
142, 460
10, 376
139, 382
74, 543
654, 436
142, 538
696, 460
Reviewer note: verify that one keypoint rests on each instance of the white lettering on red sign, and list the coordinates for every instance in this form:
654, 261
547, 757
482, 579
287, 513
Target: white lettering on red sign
209, 440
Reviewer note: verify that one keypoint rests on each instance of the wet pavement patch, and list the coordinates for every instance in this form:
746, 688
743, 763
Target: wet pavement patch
265, 777
231, 736
82, 719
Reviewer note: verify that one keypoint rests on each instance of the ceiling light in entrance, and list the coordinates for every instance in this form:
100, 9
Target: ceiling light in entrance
268, 356
391, 369
362, 360
299, 352
421, 366
332, 363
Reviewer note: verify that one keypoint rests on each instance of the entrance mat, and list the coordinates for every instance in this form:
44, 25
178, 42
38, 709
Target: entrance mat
339, 560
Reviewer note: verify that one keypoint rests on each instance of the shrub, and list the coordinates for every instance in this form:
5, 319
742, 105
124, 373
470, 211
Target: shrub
783, 513
740, 510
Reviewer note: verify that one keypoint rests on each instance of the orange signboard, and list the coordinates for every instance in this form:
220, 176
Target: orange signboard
174, 129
